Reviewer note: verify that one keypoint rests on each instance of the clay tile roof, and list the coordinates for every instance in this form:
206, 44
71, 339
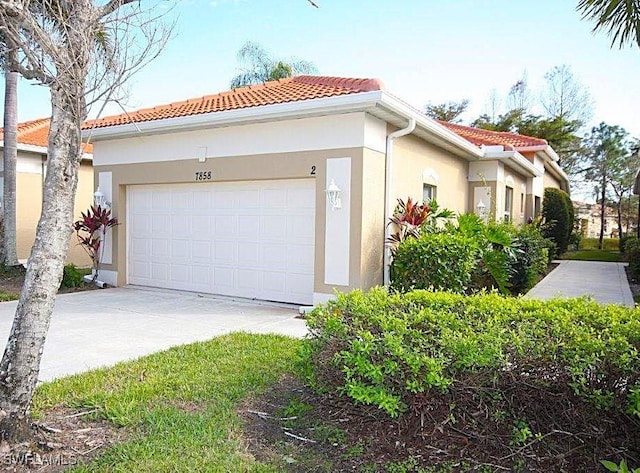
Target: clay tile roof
293, 89
36, 133
480, 137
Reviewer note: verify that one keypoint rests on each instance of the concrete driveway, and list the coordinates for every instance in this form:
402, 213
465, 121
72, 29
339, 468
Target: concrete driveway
100, 328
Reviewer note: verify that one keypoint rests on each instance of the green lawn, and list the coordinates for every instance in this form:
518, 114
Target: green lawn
594, 255
148, 397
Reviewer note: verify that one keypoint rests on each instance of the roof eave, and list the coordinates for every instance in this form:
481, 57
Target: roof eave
28, 148
515, 161
304, 108
434, 131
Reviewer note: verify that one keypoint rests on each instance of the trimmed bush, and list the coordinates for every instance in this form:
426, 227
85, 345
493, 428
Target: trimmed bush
440, 261
71, 277
557, 211
530, 259
608, 244
395, 350
632, 251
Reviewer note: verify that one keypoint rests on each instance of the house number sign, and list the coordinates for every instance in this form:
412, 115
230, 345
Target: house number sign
203, 176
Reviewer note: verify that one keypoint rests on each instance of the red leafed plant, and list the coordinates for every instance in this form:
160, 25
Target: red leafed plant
91, 230
408, 218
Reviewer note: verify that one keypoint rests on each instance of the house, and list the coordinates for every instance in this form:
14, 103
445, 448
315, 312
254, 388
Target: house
281, 191
31, 168
588, 219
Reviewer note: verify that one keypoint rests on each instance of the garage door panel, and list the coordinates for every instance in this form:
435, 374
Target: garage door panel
246, 239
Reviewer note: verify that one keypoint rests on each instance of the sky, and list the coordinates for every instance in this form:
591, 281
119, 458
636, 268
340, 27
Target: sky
422, 50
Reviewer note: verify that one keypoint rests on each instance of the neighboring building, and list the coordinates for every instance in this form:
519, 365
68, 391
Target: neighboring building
227, 193
30, 171
588, 220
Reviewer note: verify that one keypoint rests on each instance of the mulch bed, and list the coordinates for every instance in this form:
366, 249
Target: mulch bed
12, 279
565, 435
63, 438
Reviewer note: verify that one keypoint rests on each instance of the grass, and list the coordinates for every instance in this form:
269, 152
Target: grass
594, 255
179, 403
8, 296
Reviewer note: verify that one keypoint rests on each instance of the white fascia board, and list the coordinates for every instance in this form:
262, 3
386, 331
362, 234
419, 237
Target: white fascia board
316, 107
516, 161
550, 153
431, 126
28, 148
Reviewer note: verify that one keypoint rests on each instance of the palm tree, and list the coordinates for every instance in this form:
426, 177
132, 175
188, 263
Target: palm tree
619, 18
259, 67
10, 156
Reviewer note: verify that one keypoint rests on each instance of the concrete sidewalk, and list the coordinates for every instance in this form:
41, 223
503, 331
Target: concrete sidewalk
605, 282
100, 328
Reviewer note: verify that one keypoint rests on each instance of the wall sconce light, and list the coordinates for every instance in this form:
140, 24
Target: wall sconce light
481, 208
99, 199
333, 196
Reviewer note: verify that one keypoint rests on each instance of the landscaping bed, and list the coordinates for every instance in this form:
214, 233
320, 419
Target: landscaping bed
12, 279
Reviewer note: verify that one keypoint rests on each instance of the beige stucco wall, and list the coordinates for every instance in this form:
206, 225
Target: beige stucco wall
550, 181
519, 196
296, 165
412, 157
29, 207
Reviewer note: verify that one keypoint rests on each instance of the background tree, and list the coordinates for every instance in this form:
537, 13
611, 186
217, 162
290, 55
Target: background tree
564, 96
619, 18
258, 66
447, 111
62, 45
9, 254
608, 154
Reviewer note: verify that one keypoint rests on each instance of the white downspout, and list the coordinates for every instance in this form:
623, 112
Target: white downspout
388, 205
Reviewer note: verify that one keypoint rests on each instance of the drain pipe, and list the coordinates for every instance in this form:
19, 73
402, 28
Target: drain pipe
388, 205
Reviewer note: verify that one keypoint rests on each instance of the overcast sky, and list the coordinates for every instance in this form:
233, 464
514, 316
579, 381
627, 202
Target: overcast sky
423, 50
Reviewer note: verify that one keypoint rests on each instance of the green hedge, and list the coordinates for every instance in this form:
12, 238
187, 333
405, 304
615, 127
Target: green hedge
441, 261
384, 349
632, 251
608, 244
557, 211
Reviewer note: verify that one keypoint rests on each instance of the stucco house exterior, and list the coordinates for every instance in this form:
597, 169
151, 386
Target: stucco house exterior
227, 193
31, 168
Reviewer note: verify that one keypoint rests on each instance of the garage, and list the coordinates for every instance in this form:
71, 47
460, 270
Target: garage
250, 239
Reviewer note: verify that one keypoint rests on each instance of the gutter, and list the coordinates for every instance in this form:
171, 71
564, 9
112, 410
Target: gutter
388, 210
323, 106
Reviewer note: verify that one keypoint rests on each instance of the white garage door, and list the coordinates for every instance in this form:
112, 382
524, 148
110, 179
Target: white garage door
245, 239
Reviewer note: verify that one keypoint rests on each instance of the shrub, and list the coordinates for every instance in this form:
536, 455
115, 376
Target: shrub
530, 259
608, 244
71, 277
391, 350
632, 250
624, 240
440, 261
557, 211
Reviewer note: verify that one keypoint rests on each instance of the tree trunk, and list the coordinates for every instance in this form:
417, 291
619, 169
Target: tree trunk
10, 156
603, 194
20, 364
620, 219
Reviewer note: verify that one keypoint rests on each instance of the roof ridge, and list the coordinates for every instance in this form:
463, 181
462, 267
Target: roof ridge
361, 85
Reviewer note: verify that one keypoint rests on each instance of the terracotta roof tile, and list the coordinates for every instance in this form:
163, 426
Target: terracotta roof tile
480, 137
36, 133
292, 89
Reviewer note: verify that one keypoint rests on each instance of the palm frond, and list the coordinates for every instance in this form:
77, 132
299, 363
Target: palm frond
619, 18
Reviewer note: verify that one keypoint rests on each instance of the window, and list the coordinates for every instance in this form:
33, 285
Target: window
508, 203
522, 203
428, 192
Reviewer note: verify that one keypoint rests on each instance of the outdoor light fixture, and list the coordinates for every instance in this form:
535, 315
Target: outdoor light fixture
99, 200
333, 196
481, 208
